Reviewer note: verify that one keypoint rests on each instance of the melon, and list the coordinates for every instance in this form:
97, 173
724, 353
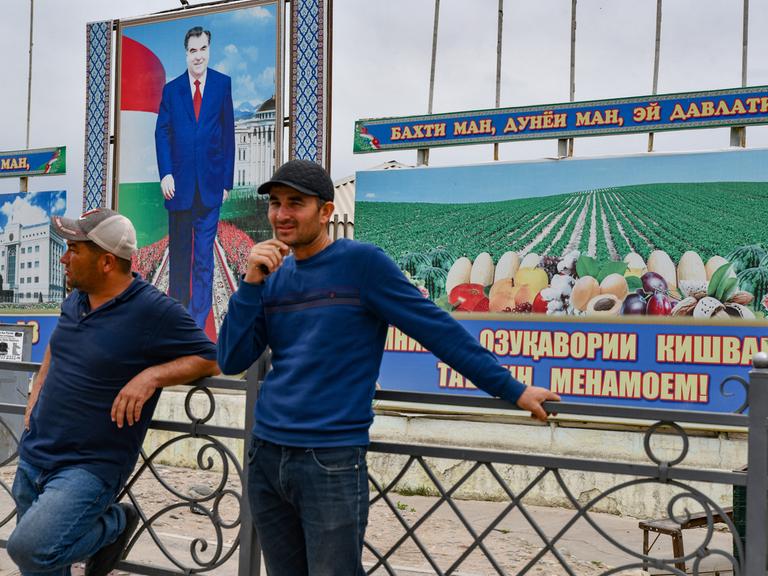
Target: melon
745, 257
660, 263
507, 266
754, 281
482, 270
691, 268
714, 263
434, 280
458, 274
635, 262
441, 258
530, 260
412, 262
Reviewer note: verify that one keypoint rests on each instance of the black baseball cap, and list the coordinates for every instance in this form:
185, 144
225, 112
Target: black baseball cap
303, 175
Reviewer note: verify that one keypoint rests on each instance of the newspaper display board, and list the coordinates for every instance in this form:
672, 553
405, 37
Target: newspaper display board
11, 345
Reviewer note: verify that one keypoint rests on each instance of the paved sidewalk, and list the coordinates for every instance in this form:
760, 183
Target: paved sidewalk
513, 542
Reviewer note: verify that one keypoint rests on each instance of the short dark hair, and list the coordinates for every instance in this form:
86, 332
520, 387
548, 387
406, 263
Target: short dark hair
196, 31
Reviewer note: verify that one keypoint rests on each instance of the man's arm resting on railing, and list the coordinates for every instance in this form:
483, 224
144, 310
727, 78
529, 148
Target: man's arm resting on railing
37, 385
131, 399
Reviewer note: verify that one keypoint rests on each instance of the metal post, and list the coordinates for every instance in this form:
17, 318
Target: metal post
499, 36
24, 181
656, 58
29, 73
757, 462
422, 154
565, 145
250, 550
739, 133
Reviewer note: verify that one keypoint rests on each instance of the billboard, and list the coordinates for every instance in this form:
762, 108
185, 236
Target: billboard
554, 256
31, 274
731, 107
39, 162
198, 110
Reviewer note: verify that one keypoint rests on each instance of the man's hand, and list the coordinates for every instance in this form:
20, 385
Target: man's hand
265, 258
168, 186
532, 399
131, 399
225, 196
37, 385
28, 411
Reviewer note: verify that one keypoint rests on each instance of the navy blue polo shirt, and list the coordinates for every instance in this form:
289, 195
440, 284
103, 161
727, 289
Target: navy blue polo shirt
94, 353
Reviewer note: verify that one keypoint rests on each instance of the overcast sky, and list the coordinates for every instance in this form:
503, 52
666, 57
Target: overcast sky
381, 57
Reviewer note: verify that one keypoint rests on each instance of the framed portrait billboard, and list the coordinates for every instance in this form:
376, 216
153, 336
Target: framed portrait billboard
198, 127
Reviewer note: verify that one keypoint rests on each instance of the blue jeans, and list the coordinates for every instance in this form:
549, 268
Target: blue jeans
64, 516
310, 508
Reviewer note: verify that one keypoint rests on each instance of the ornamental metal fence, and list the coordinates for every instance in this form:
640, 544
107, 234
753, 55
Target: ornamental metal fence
207, 529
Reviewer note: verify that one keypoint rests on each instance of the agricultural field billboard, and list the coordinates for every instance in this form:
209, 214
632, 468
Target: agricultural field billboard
630, 279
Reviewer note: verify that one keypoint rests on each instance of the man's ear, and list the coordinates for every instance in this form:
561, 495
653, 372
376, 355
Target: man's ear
326, 211
110, 262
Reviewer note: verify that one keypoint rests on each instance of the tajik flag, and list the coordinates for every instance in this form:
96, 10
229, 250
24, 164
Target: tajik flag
142, 79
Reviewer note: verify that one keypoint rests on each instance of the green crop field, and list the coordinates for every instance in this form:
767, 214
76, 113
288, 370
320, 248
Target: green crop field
709, 218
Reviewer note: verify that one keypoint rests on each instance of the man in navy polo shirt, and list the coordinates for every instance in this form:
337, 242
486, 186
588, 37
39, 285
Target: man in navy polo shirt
117, 343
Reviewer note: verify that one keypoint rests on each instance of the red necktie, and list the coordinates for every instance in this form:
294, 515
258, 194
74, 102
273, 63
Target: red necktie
197, 99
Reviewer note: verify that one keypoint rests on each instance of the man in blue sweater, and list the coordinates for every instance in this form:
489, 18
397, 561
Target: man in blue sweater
118, 341
324, 308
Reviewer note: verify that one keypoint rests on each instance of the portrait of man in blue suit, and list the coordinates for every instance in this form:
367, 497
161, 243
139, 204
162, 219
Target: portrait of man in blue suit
195, 144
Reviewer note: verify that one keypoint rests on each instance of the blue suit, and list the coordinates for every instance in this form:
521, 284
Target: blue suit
200, 154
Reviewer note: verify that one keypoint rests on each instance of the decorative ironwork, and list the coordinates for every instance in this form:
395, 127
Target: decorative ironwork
745, 384
208, 506
220, 522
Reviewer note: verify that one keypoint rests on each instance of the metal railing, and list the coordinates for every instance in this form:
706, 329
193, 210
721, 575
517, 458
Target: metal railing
207, 550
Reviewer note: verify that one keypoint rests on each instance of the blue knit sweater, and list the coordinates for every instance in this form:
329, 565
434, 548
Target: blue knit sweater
325, 319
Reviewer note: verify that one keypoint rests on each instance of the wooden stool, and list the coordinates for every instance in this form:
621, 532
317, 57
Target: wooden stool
675, 530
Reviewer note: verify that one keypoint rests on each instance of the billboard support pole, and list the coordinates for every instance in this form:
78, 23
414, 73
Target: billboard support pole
739, 133
499, 35
565, 145
656, 58
24, 181
422, 154
29, 73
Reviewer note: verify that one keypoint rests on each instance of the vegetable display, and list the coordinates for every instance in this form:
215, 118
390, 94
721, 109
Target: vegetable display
654, 250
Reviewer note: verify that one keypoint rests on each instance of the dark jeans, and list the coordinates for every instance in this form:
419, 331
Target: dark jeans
310, 508
191, 235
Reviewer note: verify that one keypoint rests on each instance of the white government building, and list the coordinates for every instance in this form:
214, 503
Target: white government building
255, 144
29, 263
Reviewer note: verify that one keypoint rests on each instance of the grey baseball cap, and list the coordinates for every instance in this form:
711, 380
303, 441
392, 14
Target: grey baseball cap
104, 227
302, 175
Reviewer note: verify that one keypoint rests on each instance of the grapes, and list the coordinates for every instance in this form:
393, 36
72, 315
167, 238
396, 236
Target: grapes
549, 264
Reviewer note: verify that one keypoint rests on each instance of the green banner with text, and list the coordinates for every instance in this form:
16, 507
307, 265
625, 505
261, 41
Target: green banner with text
38, 162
